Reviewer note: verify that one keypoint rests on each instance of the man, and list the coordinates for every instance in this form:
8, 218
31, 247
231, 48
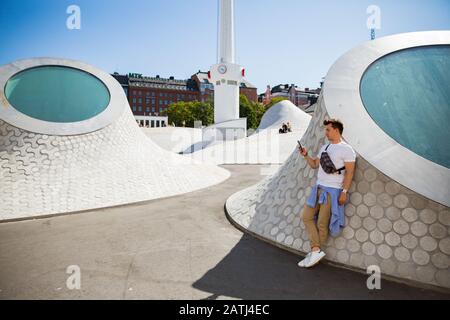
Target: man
336, 163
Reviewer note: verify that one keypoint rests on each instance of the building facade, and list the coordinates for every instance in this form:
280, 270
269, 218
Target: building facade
302, 98
152, 121
150, 96
206, 87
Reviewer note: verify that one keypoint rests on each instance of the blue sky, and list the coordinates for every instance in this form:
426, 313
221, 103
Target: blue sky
277, 41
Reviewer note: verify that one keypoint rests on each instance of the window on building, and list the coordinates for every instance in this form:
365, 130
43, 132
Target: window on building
140, 100
140, 109
134, 93
153, 109
147, 109
147, 100
161, 102
134, 108
134, 100
140, 93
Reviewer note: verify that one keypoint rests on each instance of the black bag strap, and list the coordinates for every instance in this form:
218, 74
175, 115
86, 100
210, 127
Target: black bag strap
340, 169
337, 170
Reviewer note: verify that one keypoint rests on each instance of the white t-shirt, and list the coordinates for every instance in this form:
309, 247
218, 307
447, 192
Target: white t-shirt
339, 153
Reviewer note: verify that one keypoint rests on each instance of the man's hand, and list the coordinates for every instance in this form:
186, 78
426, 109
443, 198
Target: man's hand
313, 163
343, 198
303, 151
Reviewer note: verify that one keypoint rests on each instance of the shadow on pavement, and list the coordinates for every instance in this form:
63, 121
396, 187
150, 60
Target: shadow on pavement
254, 269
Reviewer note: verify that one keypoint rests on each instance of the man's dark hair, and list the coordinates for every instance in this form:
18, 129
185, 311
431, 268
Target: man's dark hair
335, 123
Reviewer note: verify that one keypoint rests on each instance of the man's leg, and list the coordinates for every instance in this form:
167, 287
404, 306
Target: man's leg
323, 221
317, 232
310, 225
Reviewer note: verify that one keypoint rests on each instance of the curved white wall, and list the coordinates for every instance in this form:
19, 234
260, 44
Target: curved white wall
45, 174
391, 221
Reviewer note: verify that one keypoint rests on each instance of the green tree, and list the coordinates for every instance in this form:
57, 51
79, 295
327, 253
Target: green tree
203, 111
186, 113
253, 111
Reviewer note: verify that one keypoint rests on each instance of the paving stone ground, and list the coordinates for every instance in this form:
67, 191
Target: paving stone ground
181, 247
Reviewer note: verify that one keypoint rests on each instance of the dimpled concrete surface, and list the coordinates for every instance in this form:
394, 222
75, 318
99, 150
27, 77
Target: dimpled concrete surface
388, 225
44, 174
174, 139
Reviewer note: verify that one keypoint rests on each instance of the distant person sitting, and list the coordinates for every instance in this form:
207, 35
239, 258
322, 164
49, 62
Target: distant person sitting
283, 128
288, 126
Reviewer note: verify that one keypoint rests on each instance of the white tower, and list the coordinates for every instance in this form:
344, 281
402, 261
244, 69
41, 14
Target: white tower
226, 76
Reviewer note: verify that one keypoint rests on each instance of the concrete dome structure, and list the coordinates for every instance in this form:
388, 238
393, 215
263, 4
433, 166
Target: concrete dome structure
266, 145
69, 142
398, 216
283, 112
174, 139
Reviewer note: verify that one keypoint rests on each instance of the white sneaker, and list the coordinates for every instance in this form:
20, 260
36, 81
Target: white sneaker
302, 263
315, 257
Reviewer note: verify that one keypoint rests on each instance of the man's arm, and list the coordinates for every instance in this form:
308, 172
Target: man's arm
348, 177
313, 163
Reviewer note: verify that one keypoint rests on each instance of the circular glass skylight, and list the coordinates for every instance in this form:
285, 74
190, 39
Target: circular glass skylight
407, 93
57, 94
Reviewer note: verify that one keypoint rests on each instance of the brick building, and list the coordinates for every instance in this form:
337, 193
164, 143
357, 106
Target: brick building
149, 96
152, 95
302, 98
